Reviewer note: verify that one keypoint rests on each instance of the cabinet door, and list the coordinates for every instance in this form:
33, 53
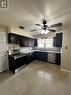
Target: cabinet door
59, 40
35, 42
13, 38
37, 55
29, 58
29, 43
20, 41
58, 58
12, 65
54, 41
25, 41
32, 42
41, 56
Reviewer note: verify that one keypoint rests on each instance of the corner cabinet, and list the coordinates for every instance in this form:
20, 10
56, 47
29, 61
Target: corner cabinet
58, 40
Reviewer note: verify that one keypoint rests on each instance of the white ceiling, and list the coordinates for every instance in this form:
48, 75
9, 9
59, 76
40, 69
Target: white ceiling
30, 12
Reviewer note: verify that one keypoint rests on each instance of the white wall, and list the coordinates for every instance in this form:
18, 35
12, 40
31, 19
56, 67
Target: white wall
66, 50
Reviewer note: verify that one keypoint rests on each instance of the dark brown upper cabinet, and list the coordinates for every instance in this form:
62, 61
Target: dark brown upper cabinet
21, 40
13, 38
58, 40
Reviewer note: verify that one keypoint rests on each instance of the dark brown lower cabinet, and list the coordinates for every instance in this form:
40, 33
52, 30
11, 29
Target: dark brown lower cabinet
58, 59
16, 63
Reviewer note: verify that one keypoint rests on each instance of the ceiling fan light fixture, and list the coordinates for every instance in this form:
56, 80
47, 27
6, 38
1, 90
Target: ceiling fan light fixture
45, 32
42, 32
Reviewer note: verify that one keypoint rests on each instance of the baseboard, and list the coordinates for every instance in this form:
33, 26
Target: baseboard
65, 70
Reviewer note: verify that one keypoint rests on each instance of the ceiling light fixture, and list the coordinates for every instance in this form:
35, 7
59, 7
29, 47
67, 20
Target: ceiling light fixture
45, 32
42, 32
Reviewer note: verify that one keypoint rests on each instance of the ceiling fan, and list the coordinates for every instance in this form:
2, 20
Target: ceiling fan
44, 28
47, 28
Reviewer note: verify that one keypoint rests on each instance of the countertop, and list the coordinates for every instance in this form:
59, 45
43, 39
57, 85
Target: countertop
47, 51
42, 51
31, 51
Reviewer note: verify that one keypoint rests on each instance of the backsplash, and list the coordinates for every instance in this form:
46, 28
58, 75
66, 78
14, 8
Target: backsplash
13, 47
26, 49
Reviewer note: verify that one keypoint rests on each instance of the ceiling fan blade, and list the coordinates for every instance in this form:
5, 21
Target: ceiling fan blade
52, 30
33, 30
56, 25
38, 25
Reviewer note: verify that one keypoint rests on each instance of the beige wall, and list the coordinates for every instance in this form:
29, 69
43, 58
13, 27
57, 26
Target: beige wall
66, 50
22, 32
3, 28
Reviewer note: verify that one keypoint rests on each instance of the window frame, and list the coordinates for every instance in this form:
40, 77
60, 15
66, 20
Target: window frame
45, 41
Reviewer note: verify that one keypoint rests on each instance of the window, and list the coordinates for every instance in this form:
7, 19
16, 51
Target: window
45, 43
48, 43
41, 43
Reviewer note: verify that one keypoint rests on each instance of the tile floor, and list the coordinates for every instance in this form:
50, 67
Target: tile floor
38, 78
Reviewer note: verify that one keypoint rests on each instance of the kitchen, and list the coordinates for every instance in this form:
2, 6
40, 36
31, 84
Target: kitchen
39, 45
29, 50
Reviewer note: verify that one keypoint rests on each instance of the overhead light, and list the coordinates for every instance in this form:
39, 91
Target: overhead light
45, 32
3, 3
42, 32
